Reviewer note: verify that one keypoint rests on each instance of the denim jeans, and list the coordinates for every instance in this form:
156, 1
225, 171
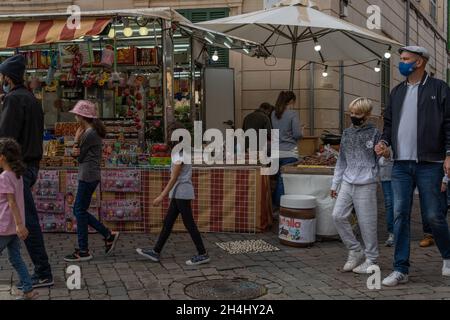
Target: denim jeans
35, 241
406, 175
84, 218
425, 225
12, 243
279, 190
388, 205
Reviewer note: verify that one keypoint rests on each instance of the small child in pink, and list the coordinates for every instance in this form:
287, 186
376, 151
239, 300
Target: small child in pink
12, 211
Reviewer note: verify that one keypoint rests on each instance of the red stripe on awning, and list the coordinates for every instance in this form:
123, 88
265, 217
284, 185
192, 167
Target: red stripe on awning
98, 27
15, 34
67, 34
43, 29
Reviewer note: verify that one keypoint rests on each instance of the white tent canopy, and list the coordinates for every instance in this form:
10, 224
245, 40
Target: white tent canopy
297, 31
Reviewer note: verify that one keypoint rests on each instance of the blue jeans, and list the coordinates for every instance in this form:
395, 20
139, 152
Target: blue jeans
12, 243
35, 241
84, 218
279, 190
388, 204
425, 225
406, 175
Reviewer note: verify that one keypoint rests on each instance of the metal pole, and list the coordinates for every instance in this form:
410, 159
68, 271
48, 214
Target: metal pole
341, 96
408, 8
312, 100
167, 48
294, 58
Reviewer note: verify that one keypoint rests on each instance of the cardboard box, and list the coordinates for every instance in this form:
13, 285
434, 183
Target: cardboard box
308, 146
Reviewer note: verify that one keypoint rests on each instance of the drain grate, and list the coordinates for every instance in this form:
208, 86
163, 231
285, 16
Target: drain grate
225, 289
246, 246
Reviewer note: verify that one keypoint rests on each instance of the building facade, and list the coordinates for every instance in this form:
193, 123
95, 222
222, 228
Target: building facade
321, 101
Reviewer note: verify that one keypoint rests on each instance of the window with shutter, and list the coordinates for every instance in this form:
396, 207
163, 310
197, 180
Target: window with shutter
200, 15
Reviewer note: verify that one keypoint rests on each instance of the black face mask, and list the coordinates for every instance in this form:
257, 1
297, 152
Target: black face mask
357, 121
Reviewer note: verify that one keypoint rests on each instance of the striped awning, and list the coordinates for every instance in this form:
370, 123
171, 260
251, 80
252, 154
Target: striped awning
14, 34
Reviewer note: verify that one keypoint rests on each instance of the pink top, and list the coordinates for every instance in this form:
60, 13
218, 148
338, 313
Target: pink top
9, 184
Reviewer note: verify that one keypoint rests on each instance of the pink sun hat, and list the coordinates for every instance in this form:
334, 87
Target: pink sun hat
85, 109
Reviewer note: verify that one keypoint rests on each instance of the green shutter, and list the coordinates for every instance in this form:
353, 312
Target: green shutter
200, 15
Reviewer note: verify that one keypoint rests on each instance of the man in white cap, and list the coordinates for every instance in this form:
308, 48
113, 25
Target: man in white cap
417, 126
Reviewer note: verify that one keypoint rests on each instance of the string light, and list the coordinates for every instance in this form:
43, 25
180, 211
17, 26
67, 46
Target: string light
127, 32
388, 53
143, 31
378, 67
325, 72
317, 45
215, 56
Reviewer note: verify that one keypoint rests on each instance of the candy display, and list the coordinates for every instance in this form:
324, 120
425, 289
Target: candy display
121, 210
121, 181
66, 128
47, 185
52, 222
51, 206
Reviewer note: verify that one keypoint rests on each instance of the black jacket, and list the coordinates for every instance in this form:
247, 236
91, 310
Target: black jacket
433, 124
22, 118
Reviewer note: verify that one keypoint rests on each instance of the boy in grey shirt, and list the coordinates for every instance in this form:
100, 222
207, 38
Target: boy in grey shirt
356, 174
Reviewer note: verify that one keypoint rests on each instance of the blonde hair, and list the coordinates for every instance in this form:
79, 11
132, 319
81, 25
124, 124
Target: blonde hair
361, 105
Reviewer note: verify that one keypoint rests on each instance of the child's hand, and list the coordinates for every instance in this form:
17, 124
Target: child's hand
22, 231
157, 202
75, 152
333, 194
381, 149
444, 187
79, 133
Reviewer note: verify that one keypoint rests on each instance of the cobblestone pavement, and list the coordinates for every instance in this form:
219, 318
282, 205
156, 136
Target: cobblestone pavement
287, 274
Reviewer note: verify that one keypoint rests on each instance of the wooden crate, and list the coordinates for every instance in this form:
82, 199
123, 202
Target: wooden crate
308, 146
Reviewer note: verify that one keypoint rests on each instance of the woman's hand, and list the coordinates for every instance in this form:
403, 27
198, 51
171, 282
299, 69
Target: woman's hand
22, 231
157, 202
333, 194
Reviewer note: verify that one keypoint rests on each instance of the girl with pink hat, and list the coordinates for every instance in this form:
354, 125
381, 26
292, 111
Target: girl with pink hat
88, 150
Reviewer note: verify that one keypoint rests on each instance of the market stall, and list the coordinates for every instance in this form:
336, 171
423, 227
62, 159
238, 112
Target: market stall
143, 69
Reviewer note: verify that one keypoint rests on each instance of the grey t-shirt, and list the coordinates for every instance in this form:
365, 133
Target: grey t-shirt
90, 156
183, 188
407, 130
290, 133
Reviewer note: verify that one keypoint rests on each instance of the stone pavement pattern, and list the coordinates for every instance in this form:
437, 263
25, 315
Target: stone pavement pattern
288, 274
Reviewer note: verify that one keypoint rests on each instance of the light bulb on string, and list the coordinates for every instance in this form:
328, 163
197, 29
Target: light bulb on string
378, 67
111, 33
325, 72
317, 45
215, 56
388, 54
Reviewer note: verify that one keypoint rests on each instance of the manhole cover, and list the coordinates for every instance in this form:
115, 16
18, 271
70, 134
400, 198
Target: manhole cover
226, 289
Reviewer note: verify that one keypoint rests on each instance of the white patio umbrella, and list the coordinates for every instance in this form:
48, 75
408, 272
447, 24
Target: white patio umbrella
296, 30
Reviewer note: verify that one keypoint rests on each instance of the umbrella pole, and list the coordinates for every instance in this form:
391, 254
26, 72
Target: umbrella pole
294, 58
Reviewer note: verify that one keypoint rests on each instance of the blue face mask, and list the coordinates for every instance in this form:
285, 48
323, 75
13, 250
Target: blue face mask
6, 88
406, 69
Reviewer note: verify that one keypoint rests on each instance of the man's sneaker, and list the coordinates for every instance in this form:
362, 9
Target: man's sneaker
446, 268
78, 256
395, 278
390, 241
427, 241
149, 254
197, 260
110, 244
37, 282
354, 259
43, 282
362, 269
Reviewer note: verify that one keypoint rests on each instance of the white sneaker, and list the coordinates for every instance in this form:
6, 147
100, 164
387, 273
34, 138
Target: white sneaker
362, 269
390, 241
395, 278
446, 268
354, 259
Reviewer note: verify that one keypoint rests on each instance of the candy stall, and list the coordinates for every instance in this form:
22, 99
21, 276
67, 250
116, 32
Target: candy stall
142, 68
